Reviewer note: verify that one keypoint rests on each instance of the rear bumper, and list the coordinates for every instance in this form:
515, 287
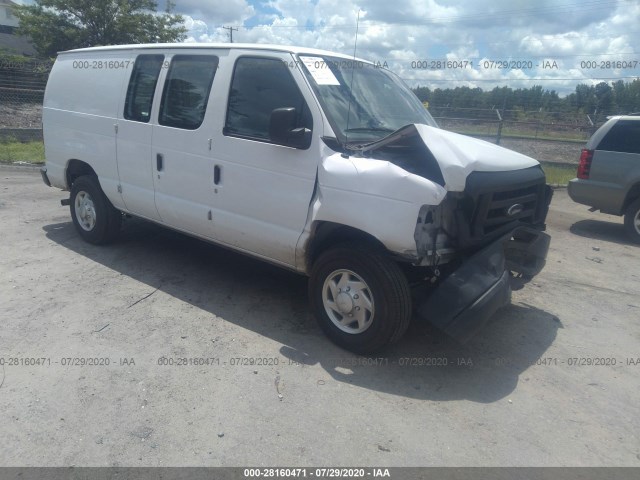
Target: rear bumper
464, 302
607, 197
45, 177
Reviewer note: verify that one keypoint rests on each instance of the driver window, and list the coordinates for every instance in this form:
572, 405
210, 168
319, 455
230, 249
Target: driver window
259, 86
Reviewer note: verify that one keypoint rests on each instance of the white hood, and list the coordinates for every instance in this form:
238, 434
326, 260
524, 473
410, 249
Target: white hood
459, 155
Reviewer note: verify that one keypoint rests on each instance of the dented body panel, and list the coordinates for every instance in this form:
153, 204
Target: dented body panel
404, 189
374, 196
424, 193
459, 155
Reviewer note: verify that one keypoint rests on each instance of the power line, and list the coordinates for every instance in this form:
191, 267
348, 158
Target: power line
524, 57
491, 44
508, 79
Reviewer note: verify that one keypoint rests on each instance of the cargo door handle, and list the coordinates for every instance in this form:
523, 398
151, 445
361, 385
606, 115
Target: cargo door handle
159, 162
216, 174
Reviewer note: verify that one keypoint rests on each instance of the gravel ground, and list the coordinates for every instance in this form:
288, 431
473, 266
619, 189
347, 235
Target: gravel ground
543, 150
25, 115
538, 387
546, 151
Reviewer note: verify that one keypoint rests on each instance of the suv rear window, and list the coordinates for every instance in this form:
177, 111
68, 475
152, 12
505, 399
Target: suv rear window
623, 137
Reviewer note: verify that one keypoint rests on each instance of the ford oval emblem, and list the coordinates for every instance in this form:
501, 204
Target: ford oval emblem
515, 209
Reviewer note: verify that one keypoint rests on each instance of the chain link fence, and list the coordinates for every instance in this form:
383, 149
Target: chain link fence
496, 124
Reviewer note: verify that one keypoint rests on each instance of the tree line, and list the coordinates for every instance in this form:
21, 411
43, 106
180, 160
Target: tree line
603, 98
57, 25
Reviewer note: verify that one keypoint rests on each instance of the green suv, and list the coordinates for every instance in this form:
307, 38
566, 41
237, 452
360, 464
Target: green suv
609, 172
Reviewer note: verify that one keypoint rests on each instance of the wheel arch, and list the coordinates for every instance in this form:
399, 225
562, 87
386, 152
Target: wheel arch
77, 168
632, 195
325, 234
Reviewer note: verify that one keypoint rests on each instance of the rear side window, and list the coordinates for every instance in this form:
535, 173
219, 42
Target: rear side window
142, 86
259, 86
186, 91
623, 137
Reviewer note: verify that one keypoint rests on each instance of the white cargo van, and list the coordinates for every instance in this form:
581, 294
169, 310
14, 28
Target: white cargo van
308, 159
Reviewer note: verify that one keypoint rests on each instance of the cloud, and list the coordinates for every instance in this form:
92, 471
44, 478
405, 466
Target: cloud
403, 32
225, 12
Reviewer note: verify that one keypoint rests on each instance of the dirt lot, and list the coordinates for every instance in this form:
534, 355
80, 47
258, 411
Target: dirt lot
545, 150
20, 115
553, 380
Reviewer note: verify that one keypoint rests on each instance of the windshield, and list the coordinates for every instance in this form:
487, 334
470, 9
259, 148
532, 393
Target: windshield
380, 102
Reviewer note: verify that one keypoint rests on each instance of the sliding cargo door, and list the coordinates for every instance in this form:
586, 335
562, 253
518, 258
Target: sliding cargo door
134, 134
183, 172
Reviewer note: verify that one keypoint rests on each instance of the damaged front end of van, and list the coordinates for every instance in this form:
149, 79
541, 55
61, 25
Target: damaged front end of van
468, 215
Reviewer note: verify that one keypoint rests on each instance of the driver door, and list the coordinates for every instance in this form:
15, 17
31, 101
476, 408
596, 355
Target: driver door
263, 190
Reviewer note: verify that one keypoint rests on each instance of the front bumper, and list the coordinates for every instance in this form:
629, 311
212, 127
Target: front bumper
463, 303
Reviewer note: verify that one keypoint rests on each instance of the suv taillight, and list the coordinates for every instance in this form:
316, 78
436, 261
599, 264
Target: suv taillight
585, 164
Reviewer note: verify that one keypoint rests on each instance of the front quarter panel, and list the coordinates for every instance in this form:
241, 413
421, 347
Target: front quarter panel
374, 196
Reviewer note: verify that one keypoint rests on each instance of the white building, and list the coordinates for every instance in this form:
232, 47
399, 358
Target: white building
7, 17
9, 41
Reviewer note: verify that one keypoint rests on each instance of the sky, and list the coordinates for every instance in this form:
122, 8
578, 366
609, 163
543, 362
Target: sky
445, 43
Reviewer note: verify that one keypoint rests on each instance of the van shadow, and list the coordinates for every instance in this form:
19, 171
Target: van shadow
601, 230
272, 302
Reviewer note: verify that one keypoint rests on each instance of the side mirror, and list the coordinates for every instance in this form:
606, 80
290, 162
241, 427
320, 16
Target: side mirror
283, 131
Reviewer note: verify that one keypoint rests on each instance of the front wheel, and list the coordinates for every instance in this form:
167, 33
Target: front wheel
632, 220
360, 298
95, 218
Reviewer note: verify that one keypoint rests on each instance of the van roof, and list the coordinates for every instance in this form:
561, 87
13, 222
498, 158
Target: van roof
240, 46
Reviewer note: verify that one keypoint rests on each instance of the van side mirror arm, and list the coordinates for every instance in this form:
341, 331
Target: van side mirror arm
282, 129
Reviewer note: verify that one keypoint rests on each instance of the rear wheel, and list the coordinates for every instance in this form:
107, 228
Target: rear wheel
95, 218
360, 298
632, 220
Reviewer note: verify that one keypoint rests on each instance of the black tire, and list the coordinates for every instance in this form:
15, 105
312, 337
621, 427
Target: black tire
386, 285
105, 226
632, 220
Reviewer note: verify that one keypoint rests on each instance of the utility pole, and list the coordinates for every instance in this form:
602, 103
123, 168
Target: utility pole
501, 118
231, 29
